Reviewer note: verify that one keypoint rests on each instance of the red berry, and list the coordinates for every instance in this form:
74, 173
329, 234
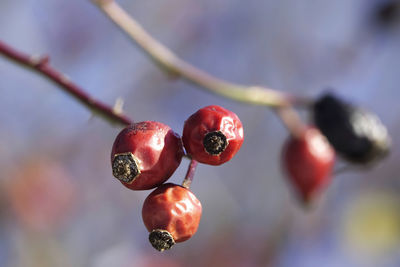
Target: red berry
308, 161
145, 155
171, 213
212, 135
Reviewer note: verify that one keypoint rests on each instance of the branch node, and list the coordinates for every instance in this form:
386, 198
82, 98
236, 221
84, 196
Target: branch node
39, 60
118, 106
40, 65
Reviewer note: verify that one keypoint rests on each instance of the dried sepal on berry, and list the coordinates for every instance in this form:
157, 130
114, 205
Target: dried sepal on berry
125, 167
161, 239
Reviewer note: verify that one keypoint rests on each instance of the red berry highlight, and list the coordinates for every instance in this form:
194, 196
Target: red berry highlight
145, 155
171, 213
212, 135
308, 161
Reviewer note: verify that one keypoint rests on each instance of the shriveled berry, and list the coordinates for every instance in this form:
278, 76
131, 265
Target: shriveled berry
212, 135
356, 134
145, 155
308, 161
171, 213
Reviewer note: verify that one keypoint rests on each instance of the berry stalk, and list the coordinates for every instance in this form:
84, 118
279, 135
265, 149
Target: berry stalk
190, 174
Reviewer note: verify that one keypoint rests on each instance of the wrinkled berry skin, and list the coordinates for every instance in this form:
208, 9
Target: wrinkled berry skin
308, 161
358, 135
172, 208
217, 121
157, 151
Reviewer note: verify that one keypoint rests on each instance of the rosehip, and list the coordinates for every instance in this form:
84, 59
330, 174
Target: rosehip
145, 155
308, 161
212, 135
171, 213
358, 135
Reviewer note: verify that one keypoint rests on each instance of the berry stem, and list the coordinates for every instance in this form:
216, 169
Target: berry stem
41, 66
171, 63
190, 174
291, 120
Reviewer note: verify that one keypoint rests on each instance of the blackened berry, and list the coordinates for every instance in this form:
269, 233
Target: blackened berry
387, 14
358, 135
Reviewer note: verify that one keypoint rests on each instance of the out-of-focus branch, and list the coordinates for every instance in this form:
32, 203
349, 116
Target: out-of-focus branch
256, 95
41, 65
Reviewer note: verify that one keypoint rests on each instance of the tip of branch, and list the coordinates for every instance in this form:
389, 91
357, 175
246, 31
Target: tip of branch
39, 60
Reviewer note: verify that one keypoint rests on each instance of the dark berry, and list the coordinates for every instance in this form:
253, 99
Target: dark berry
356, 134
386, 14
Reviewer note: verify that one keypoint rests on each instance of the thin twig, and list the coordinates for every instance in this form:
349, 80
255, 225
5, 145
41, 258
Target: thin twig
291, 120
256, 95
41, 65
190, 174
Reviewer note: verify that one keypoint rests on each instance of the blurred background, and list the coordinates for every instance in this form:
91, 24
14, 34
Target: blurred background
60, 205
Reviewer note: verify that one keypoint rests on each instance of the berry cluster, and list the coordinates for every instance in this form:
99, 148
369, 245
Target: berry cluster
354, 133
146, 154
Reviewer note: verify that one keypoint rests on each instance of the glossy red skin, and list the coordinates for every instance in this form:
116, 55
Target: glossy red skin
172, 208
157, 149
308, 161
209, 119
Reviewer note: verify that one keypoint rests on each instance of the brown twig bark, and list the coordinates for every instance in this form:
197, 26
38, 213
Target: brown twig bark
170, 62
42, 66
